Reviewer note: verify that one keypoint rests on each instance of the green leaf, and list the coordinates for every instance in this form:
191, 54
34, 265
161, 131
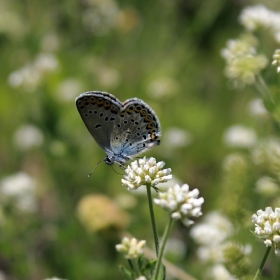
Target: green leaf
126, 272
149, 266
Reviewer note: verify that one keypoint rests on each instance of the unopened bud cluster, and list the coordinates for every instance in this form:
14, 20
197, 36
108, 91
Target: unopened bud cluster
131, 248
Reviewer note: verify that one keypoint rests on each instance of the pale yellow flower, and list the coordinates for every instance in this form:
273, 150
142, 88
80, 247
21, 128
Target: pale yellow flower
99, 213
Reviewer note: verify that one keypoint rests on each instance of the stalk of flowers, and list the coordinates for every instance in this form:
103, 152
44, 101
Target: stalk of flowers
145, 171
267, 228
133, 251
182, 204
243, 63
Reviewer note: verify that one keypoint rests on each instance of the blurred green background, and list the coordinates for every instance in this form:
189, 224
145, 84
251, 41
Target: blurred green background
164, 52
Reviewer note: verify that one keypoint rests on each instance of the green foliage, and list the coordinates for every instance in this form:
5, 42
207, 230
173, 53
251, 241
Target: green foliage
164, 52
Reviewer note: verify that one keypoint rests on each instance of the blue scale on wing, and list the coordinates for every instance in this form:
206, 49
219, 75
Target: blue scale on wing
132, 133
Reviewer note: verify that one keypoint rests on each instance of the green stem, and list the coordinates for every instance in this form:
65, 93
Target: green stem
153, 220
259, 271
134, 267
161, 249
263, 89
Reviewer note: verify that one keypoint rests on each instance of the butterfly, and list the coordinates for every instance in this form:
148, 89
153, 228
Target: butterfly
122, 130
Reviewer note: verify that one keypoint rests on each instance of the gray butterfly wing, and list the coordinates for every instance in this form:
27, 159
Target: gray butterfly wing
99, 111
136, 129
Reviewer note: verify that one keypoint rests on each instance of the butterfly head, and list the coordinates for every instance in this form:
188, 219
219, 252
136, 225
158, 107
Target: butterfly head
108, 160
119, 159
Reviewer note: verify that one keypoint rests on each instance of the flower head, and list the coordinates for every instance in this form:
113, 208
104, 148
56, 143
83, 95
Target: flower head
28, 136
131, 248
257, 109
267, 186
219, 272
141, 278
214, 230
242, 61
259, 16
242, 70
267, 227
99, 213
240, 136
21, 189
145, 171
237, 48
32, 74
181, 202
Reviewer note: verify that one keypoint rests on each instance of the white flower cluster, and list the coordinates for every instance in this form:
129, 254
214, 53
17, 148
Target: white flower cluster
267, 227
243, 62
237, 48
181, 202
267, 186
31, 75
276, 61
219, 272
240, 136
100, 16
259, 16
257, 109
213, 231
27, 137
131, 248
212, 235
21, 189
145, 171
141, 278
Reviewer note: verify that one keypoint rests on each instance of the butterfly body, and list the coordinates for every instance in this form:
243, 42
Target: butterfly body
122, 130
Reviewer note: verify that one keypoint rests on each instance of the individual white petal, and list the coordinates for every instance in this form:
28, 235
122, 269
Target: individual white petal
276, 238
268, 243
176, 216
185, 187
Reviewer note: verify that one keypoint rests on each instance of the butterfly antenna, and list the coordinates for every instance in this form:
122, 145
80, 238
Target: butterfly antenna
96, 166
116, 171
